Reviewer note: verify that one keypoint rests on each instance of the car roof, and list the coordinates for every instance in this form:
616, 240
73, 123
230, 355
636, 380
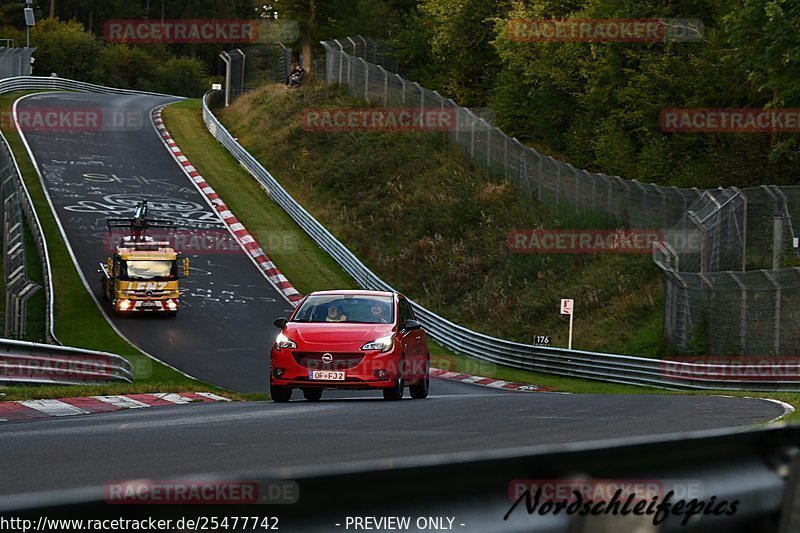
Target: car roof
355, 292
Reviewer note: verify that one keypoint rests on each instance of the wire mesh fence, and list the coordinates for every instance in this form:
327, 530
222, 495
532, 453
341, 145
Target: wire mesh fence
250, 67
712, 239
15, 62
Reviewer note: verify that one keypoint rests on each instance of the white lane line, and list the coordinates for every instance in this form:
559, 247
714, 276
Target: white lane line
53, 407
122, 402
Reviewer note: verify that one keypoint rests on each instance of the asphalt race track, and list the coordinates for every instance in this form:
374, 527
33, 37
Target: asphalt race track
224, 329
227, 439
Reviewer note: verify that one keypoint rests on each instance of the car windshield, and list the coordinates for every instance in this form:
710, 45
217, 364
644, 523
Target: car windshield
149, 270
346, 308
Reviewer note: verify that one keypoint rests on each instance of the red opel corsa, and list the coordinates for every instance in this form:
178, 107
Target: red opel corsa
350, 340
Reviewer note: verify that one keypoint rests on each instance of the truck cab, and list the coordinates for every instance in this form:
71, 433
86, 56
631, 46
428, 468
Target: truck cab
142, 274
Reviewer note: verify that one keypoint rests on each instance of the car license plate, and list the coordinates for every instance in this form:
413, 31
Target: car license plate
327, 375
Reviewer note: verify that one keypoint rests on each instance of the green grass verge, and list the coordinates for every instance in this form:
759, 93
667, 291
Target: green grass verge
315, 270
78, 321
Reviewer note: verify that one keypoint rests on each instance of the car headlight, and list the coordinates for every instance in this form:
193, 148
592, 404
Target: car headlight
383, 344
282, 341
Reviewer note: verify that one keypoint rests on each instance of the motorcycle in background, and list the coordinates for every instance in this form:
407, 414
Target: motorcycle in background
296, 78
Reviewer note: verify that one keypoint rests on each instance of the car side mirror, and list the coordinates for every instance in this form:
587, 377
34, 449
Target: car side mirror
412, 324
280, 323
110, 267
185, 267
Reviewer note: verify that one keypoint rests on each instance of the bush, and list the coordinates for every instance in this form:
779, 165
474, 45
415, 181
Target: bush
64, 48
120, 65
183, 76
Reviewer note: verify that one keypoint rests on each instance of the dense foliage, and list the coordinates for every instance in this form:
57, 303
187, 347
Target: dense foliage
597, 105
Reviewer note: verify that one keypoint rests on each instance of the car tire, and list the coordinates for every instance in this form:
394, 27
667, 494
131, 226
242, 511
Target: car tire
312, 395
395, 393
420, 389
280, 394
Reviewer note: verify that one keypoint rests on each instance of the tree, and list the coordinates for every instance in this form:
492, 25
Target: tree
64, 48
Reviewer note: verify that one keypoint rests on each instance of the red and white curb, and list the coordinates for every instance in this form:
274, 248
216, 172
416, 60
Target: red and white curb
244, 238
488, 382
35, 409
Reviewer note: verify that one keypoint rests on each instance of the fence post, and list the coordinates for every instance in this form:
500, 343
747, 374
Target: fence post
558, 178
539, 178
505, 156
742, 313
488, 143
341, 60
366, 79
471, 134
777, 318
704, 240
385, 86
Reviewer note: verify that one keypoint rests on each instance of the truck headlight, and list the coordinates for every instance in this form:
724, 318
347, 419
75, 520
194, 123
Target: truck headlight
384, 344
282, 341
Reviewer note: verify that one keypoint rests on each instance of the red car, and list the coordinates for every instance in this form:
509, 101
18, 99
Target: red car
353, 340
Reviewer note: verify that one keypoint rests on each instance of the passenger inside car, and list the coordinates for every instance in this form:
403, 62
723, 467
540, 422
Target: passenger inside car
335, 314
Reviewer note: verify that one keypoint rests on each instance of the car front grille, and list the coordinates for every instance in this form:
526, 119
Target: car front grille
340, 361
142, 293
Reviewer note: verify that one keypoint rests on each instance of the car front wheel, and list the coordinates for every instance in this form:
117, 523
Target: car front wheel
420, 389
396, 392
280, 394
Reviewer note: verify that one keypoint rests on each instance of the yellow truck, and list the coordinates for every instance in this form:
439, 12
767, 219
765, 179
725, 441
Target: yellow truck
142, 274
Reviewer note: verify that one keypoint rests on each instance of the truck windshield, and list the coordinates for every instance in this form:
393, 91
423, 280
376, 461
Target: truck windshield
151, 270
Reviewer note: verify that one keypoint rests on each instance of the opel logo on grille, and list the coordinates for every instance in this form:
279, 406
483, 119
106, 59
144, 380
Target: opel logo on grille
327, 358
148, 293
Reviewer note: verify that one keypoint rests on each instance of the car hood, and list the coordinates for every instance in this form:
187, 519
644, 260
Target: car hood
335, 334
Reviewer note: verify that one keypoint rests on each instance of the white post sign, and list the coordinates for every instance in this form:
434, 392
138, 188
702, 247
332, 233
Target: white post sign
567, 308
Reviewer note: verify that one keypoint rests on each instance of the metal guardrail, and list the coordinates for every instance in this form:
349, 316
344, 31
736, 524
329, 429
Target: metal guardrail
35, 363
16, 285
590, 365
757, 469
